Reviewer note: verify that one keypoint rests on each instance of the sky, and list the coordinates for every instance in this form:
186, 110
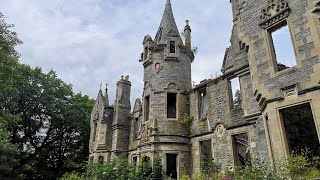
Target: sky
89, 42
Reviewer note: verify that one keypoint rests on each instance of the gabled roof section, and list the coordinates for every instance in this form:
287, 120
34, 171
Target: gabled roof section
168, 26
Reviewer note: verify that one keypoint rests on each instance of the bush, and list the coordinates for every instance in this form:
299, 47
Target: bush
72, 176
295, 167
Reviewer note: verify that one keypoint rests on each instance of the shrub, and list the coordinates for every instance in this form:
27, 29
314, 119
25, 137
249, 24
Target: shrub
72, 176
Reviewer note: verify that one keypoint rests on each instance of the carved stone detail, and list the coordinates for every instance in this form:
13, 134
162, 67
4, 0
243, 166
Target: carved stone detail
276, 11
145, 134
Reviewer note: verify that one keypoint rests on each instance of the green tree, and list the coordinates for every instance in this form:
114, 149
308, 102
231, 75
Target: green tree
8, 57
237, 100
40, 117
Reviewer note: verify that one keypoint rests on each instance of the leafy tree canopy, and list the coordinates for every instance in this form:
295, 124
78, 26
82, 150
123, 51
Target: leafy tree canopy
44, 126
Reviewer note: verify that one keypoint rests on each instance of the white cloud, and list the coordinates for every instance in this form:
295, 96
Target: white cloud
91, 41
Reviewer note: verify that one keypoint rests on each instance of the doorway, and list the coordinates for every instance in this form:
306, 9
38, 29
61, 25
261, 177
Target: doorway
172, 166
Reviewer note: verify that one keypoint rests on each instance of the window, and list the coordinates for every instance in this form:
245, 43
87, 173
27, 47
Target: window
146, 107
136, 128
241, 149
203, 104
94, 131
145, 54
205, 155
101, 160
300, 130
282, 48
172, 166
172, 105
91, 160
172, 47
134, 160
235, 93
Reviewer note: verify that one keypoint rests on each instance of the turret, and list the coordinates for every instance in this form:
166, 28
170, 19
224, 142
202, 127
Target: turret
121, 119
167, 80
187, 34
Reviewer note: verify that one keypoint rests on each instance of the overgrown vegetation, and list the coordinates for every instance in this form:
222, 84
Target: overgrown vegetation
120, 170
295, 167
186, 119
44, 125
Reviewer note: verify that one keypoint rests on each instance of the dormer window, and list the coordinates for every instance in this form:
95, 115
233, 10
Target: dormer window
172, 47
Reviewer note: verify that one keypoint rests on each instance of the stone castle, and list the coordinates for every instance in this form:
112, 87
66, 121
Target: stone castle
187, 125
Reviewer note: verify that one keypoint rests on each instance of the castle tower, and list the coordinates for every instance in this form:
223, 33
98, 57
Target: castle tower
167, 80
101, 122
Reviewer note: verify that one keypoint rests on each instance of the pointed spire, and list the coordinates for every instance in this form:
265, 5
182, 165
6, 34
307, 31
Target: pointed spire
106, 95
168, 26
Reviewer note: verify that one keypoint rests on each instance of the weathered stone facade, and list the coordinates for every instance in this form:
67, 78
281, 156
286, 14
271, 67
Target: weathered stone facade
158, 122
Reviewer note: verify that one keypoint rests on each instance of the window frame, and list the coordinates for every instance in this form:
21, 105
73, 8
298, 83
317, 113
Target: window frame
271, 46
177, 115
146, 113
200, 103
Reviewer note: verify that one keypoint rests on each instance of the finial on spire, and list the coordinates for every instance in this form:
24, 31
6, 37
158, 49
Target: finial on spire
187, 22
100, 85
168, 2
106, 86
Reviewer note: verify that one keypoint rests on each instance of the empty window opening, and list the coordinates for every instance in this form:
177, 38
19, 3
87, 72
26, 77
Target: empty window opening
172, 47
146, 107
282, 47
101, 160
94, 132
203, 105
235, 93
241, 149
135, 160
300, 129
205, 156
91, 160
136, 128
172, 166
172, 105
145, 53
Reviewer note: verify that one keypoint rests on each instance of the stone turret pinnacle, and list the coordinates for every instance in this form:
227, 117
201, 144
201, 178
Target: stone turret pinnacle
168, 26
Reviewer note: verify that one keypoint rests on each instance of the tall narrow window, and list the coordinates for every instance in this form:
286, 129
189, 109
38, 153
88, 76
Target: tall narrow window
300, 129
172, 105
101, 160
94, 131
203, 104
134, 160
241, 149
282, 48
145, 53
146, 107
136, 128
91, 159
205, 155
172, 47
235, 93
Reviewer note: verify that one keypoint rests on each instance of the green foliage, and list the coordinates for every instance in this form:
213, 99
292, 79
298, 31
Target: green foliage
44, 126
209, 168
120, 170
237, 100
295, 167
187, 120
157, 166
72, 176
8, 151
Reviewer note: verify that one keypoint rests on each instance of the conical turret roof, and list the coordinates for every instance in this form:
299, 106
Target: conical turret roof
168, 26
